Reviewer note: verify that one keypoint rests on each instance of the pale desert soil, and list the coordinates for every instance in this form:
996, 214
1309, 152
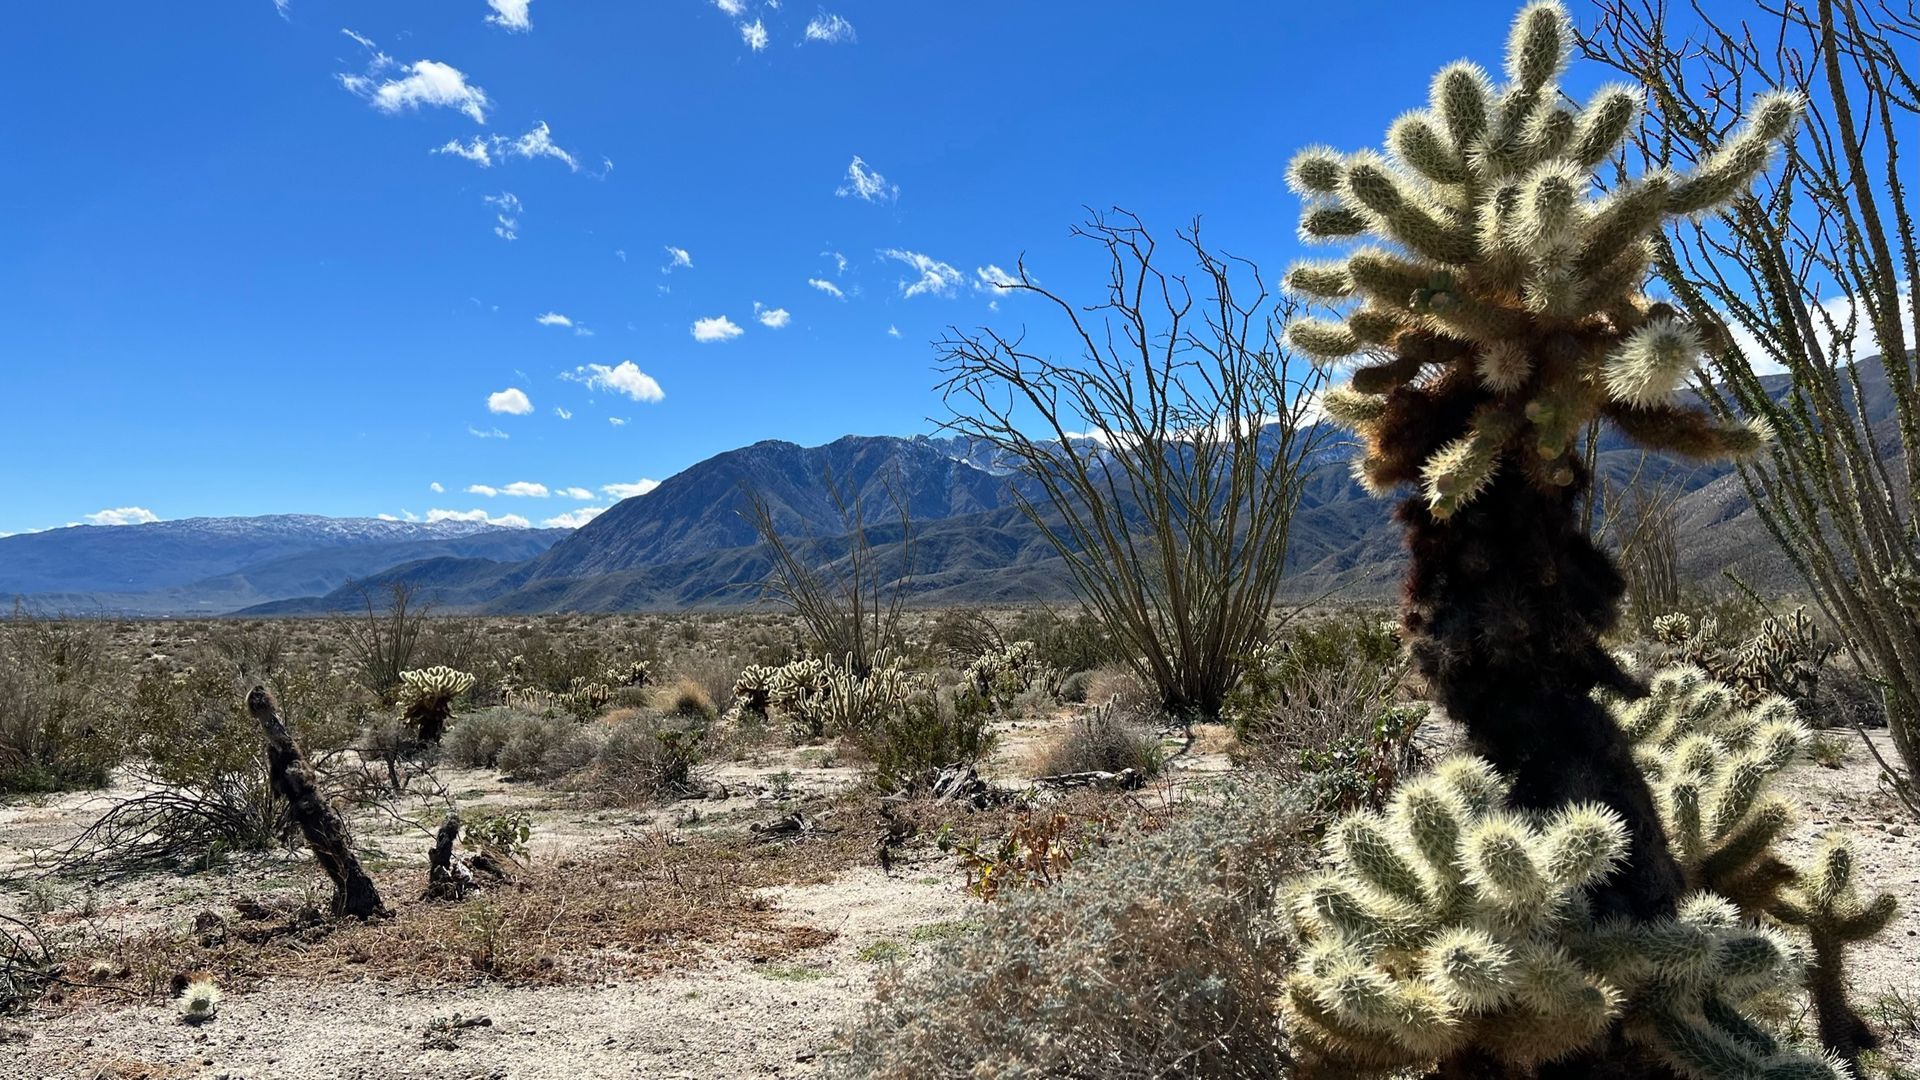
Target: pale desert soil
721, 1015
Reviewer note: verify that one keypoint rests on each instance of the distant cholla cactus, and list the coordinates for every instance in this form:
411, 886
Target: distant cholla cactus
1507, 314
426, 696
852, 704
1003, 674
1708, 760
584, 697
632, 673
753, 690
797, 689
1673, 629
1448, 923
200, 1001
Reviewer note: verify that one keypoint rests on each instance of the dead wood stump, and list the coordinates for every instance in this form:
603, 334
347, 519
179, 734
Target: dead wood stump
292, 778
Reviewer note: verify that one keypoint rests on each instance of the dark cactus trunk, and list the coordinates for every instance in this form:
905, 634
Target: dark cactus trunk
1505, 604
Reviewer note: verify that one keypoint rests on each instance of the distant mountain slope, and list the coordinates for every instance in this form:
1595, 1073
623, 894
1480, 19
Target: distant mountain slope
214, 565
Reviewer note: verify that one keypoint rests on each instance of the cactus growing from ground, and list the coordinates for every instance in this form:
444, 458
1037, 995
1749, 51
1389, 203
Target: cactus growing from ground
1498, 312
426, 699
1452, 928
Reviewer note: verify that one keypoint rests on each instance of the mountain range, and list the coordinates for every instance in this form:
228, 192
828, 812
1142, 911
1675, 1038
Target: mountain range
689, 542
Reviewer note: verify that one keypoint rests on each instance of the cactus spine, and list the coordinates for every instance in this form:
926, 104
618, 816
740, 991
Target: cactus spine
426, 699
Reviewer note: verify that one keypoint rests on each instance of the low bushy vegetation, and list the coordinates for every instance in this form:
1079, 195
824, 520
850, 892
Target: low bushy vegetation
1102, 739
57, 703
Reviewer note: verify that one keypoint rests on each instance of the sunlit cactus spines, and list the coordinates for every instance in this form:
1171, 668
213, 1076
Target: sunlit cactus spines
1446, 922
634, 673
1503, 288
426, 699
753, 690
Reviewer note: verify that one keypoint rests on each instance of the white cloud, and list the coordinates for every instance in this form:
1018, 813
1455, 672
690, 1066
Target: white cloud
620, 253
735, 8
562, 413
553, 318
617, 421
428, 83
573, 519
513, 401
626, 379
936, 278
772, 318
482, 489
510, 15
507, 214
511, 521
524, 489
581, 331
387, 517
754, 34
478, 150
628, 491
893, 331
365, 42
539, 143
435, 487
576, 493
864, 183
677, 257
717, 328
839, 261
991, 278
831, 29
1839, 330
827, 287
490, 433
124, 515
282, 7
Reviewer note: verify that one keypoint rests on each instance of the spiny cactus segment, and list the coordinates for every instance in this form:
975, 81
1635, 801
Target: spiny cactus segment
426, 697
1509, 292
1448, 922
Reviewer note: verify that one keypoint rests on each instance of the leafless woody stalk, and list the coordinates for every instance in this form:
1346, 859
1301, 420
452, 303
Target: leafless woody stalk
1812, 270
851, 599
1168, 452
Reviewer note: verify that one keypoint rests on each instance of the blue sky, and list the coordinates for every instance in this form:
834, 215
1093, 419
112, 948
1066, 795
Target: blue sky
237, 278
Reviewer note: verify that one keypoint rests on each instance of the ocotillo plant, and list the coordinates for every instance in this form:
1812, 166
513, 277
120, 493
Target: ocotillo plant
1499, 313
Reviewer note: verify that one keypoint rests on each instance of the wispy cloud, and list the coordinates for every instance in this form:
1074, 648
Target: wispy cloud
579, 493
435, 487
827, 287
522, 489
831, 29
487, 433
512, 401
626, 378
893, 331
123, 515
510, 521
538, 142
754, 35
936, 278
553, 318
392, 87
773, 318
487, 150
506, 218
511, 15
839, 262
717, 328
677, 258
865, 183
477, 150
562, 413
617, 421
628, 491
735, 8
284, 9
991, 278
573, 519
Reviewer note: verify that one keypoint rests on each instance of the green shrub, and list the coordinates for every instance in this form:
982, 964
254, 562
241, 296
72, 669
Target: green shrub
933, 729
1154, 957
545, 748
56, 698
477, 740
644, 759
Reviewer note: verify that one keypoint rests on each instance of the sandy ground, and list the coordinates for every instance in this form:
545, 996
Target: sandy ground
723, 1016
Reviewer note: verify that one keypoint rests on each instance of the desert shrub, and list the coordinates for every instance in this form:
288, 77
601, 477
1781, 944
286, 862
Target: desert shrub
1002, 676
1073, 688
477, 740
960, 634
1102, 739
1156, 956
1077, 642
56, 697
643, 758
1118, 686
931, 730
686, 699
545, 748
385, 637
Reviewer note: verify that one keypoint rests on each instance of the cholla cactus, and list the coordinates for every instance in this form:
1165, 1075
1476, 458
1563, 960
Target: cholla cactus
1823, 902
797, 689
1005, 673
753, 690
1786, 656
852, 704
1448, 923
584, 697
1675, 628
631, 674
1507, 312
426, 697
200, 1001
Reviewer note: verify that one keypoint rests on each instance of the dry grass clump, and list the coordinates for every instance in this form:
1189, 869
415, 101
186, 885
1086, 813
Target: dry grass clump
689, 700
1101, 739
1160, 955
1118, 685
